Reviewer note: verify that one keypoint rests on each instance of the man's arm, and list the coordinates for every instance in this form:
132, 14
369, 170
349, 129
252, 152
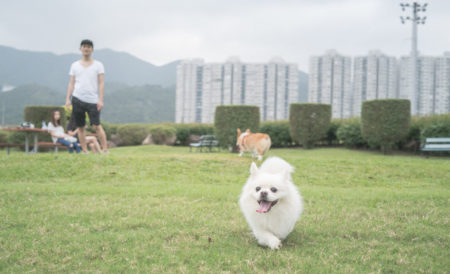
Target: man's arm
101, 90
70, 90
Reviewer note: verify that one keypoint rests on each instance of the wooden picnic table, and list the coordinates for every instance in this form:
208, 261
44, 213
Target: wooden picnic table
28, 131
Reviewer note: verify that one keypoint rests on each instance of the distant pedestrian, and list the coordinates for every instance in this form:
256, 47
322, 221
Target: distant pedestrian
86, 89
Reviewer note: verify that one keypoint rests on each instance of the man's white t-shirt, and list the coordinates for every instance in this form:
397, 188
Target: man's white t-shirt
86, 81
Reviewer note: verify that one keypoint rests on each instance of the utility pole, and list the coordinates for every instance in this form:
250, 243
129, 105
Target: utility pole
415, 20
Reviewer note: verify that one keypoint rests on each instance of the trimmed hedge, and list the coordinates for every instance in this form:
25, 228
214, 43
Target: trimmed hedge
37, 114
309, 123
162, 133
132, 134
183, 131
385, 122
278, 132
229, 118
349, 133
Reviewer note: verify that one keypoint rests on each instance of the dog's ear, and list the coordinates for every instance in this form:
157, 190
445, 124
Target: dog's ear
286, 173
248, 130
238, 131
253, 169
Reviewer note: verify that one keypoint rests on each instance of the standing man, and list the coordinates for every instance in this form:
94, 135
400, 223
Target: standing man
86, 87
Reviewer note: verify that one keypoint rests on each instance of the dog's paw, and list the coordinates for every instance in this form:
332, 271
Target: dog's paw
275, 244
240, 154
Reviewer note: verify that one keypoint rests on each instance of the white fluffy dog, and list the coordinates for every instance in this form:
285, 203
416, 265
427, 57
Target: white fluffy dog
270, 202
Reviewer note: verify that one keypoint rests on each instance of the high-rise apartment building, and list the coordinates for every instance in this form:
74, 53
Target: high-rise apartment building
374, 77
442, 86
330, 83
378, 76
201, 87
433, 84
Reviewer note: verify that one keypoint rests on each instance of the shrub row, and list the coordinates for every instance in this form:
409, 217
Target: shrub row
386, 124
135, 134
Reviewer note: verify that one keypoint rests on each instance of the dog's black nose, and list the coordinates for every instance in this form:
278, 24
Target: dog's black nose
263, 194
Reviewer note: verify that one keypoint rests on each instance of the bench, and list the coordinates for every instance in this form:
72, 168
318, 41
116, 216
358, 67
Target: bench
206, 141
56, 146
436, 144
9, 146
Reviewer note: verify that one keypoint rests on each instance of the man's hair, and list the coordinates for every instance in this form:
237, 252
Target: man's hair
86, 42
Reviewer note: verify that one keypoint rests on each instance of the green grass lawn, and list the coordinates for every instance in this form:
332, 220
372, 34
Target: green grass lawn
163, 209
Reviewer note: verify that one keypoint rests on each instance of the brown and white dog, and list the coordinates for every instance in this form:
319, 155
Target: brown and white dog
256, 143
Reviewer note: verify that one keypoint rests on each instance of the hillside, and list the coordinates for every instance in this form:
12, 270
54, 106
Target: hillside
123, 104
20, 67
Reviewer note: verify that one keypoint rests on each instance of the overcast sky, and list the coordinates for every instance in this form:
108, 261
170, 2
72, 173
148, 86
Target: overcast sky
255, 30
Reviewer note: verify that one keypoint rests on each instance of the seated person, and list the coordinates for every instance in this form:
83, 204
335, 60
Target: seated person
91, 141
58, 136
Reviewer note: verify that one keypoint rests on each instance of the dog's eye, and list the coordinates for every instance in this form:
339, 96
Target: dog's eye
258, 188
274, 189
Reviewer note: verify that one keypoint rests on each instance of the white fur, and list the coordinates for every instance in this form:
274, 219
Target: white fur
272, 227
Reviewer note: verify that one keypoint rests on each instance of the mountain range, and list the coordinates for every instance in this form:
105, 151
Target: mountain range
138, 91
20, 67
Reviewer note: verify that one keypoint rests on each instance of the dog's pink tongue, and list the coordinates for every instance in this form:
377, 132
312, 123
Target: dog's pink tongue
264, 206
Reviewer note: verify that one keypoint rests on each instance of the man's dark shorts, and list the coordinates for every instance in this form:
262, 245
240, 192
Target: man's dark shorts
79, 109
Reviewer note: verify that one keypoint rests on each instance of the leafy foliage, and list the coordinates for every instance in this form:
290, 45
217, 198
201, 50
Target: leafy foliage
3, 136
229, 118
349, 133
439, 129
162, 133
183, 131
37, 114
132, 134
278, 132
309, 123
385, 122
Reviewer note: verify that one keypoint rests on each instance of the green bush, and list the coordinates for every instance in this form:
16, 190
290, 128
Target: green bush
132, 134
349, 133
37, 114
161, 134
109, 129
331, 135
183, 131
385, 122
439, 129
417, 125
309, 123
3, 136
16, 137
278, 132
229, 118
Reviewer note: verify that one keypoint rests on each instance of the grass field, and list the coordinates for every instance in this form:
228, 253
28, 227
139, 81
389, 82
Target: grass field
163, 209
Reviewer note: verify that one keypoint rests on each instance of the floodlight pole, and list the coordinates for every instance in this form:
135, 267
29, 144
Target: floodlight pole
415, 74
415, 20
